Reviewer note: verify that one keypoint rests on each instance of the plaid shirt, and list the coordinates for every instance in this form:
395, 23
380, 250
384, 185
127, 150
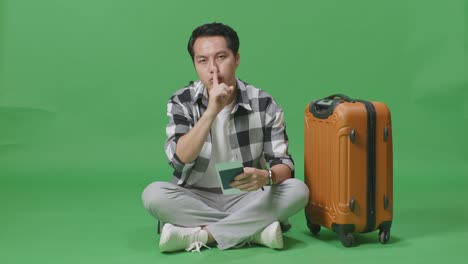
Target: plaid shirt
257, 130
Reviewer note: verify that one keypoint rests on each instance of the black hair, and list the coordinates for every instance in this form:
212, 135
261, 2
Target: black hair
215, 29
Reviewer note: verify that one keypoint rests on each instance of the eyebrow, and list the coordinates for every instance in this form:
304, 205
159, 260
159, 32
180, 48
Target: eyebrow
216, 54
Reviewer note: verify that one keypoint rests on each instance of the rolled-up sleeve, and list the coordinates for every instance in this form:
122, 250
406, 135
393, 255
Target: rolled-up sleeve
180, 123
276, 138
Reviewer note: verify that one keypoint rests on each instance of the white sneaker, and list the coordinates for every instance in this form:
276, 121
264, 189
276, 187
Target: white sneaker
271, 236
175, 238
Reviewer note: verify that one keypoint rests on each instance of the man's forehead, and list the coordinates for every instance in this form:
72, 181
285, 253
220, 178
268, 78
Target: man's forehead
210, 45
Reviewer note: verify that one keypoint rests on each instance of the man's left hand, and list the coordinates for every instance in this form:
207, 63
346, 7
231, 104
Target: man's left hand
251, 180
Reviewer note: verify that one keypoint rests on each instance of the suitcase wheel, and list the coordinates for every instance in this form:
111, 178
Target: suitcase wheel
314, 228
347, 239
384, 236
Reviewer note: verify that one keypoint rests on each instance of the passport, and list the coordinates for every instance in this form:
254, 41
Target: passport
226, 172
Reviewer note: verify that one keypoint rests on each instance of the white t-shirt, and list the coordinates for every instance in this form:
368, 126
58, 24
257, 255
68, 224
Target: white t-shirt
221, 147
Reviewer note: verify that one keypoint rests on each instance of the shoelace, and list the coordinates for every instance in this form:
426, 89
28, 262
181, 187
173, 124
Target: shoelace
248, 241
196, 246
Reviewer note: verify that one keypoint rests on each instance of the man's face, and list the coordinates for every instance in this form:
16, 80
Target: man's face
212, 54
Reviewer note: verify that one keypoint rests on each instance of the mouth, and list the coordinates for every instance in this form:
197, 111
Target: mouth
220, 80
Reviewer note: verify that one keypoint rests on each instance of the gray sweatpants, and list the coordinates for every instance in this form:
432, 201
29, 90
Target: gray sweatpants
231, 219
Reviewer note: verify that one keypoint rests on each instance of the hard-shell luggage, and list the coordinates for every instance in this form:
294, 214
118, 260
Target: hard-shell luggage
348, 167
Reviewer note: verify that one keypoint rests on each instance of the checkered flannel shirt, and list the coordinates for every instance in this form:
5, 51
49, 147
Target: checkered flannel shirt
257, 131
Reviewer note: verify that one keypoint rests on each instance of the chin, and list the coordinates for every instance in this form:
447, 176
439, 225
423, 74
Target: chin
207, 84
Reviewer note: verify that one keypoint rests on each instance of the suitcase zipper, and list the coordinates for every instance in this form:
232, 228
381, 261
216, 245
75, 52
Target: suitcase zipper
371, 165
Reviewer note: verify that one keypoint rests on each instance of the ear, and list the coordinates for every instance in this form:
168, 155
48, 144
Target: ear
237, 59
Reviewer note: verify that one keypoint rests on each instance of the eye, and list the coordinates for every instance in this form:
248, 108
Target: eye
221, 57
202, 61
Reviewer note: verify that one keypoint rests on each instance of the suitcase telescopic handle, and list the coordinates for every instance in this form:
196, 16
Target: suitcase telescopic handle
342, 96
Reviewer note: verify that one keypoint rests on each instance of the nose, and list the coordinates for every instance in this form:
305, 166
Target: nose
213, 67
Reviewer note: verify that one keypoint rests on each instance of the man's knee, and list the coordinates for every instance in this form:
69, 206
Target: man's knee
154, 196
297, 191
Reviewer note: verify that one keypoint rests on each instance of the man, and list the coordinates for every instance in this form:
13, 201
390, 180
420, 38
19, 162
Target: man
221, 119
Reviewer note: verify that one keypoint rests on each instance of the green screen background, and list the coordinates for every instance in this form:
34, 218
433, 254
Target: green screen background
83, 92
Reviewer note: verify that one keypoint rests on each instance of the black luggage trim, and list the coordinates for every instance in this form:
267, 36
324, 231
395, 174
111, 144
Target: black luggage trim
343, 228
371, 165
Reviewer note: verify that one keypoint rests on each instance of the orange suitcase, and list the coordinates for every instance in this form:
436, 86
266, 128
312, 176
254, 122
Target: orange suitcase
348, 167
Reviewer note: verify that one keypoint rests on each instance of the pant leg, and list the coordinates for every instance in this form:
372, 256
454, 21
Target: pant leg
251, 213
170, 203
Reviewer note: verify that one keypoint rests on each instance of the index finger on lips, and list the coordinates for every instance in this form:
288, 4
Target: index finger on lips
215, 78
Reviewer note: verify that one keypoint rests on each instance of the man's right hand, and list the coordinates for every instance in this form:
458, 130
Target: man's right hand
219, 95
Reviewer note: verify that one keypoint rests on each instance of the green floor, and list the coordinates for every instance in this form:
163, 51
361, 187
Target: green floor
48, 220
83, 93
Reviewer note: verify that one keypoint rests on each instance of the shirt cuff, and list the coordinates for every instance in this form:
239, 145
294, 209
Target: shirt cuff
178, 165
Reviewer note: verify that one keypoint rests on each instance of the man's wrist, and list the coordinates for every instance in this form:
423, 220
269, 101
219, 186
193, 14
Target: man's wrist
211, 115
